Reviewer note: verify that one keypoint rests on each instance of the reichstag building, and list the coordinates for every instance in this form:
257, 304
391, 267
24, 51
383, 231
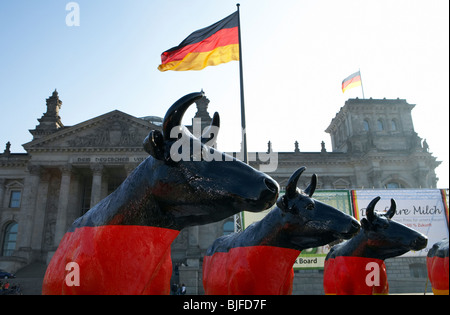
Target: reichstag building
68, 169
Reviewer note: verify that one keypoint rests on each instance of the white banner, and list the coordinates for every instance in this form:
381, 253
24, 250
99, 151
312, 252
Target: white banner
422, 210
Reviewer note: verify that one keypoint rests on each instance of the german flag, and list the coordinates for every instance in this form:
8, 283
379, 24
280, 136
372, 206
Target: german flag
210, 46
351, 81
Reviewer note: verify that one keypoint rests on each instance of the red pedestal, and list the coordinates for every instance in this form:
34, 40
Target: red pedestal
355, 275
254, 270
112, 260
438, 274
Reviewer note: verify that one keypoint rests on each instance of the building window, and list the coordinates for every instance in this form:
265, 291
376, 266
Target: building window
341, 184
9, 239
86, 195
228, 228
380, 126
393, 125
14, 201
366, 125
393, 185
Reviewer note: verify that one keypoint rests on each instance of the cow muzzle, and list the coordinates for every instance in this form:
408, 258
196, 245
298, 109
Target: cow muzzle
419, 243
353, 228
268, 195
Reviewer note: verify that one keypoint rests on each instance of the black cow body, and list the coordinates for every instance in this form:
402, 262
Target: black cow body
347, 265
259, 260
189, 193
174, 195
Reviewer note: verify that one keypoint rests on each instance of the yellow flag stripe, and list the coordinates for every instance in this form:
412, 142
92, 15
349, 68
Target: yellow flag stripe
199, 61
351, 85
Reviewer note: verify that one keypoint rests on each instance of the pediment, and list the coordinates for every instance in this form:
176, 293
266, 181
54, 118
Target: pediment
112, 130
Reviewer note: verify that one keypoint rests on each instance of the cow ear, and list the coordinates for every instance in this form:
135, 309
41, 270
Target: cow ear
312, 186
282, 203
154, 144
365, 224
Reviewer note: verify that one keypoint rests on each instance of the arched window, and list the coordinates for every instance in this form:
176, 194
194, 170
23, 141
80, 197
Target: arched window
228, 228
366, 125
380, 126
9, 239
393, 125
393, 185
14, 201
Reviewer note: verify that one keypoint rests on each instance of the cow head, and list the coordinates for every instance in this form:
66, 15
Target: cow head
312, 223
387, 238
202, 185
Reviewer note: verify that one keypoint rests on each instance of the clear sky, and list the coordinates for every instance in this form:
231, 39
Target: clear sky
295, 54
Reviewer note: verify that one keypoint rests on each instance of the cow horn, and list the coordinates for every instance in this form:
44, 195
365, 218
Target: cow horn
209, 134
175, 113
370, 210
312, 186
390, 213
291, 187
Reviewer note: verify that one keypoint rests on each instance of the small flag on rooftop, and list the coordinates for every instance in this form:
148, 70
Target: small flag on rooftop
351, 81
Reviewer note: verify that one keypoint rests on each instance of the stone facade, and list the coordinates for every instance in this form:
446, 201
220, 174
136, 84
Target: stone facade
68, 169
374, 145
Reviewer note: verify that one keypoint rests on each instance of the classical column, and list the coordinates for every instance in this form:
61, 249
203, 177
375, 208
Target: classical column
63, 201
2, 191
96, 191
41, 206
27, 209
421, 174
375, 178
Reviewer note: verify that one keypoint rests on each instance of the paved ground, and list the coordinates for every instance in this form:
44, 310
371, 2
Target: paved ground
30, 279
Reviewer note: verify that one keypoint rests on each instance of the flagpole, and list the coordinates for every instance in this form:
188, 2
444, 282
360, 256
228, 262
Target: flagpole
244, 133
238, 216
362, 88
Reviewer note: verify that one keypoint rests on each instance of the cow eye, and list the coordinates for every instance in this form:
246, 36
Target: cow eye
310, 206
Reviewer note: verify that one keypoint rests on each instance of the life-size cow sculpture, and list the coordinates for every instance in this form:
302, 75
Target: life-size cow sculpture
437, 265
122, 245
357, 266
259, 260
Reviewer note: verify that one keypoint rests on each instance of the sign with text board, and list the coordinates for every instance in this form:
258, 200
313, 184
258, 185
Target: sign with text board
425, 210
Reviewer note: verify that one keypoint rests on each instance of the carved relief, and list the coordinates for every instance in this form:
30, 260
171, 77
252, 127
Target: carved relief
116, 134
